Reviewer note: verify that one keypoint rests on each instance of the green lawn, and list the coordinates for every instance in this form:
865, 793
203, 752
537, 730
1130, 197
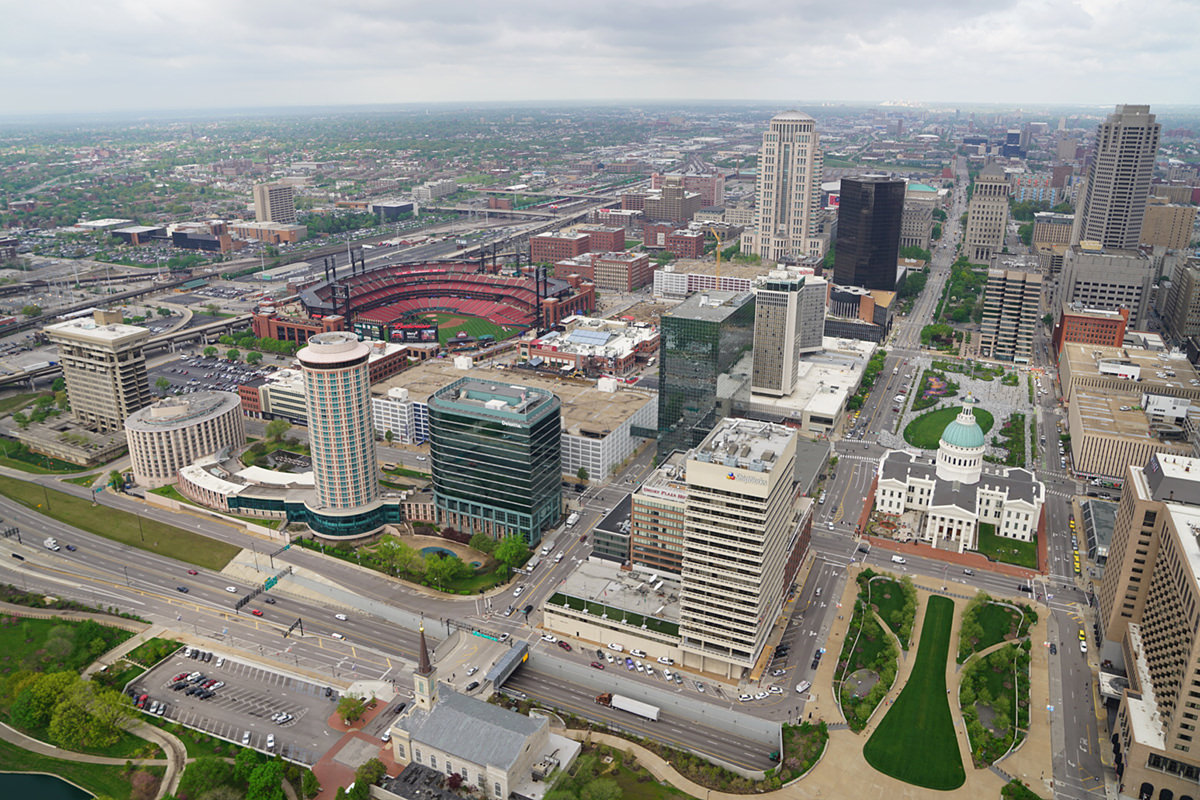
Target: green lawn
915, 741
122, 526
633, 789
474, 326
926, 430
100, 779
888, 597
998, 622
22, 643
1010, 551
82, 480
16, 402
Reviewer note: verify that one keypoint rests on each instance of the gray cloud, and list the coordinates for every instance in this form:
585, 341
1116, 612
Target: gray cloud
84, 56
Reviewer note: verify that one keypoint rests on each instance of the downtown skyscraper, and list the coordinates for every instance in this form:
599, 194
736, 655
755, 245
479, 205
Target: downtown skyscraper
790, 164
1112, 203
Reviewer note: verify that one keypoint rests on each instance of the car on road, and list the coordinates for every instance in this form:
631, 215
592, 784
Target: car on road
231, 589
503, 637
527, 609
269, 601
745, 698
774, 690
472, 686
1082, 635
597, 665
256, 612
183, 589
192, 572
337, 635
1053, 649
70, 547
422, 458
1083, 648
548, 638
699, 687
471, 671
968, 572
518, 590
565, 646
342, 617
761, 695
803, 686
775, 673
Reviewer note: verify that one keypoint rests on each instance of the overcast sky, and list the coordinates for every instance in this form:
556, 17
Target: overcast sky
64, 56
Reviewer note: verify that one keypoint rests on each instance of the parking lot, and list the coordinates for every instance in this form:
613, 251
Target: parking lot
194, 373
246, 704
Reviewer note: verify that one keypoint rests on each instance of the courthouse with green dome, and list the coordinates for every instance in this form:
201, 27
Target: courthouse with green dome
950, 495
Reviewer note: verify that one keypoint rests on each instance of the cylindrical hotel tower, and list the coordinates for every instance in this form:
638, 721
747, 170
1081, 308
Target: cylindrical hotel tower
342, 442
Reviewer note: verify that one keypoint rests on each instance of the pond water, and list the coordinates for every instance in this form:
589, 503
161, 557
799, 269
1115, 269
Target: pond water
441, 551
43, 787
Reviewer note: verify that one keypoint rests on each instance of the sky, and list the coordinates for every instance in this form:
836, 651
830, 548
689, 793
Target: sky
82, 56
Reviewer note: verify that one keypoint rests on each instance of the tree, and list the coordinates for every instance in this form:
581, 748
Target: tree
388, 436
163, 312
209, 352
245, 763
253, 357
31, 310
482, 542
213, 309
233, 354
1048, 320
511, 551
370, 771
21, 419
265, 780
70, 725
582, 475
204, 774
162, 384
309, 784
59, 385
443, 569
277, 429
916, 252
109, 709
34, 704
601, 789
351, 708
116, 481
935, 233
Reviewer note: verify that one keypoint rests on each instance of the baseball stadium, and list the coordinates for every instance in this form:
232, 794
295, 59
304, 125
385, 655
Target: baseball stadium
409, 302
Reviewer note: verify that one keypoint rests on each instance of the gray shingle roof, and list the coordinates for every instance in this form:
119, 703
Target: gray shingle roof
471, 729
1021, 484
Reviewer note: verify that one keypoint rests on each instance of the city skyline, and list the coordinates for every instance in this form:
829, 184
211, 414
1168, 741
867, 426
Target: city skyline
1058, 52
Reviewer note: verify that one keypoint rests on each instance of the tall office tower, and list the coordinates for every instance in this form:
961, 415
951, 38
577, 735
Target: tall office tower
868, 233
789, 189
1112, 201
495, 450
275, 202
337, 389
1149, 600
789, 320
916, 224
1182, 312
987, 215
742, 544
104, 368
701, 340
1011, 302
1109, 279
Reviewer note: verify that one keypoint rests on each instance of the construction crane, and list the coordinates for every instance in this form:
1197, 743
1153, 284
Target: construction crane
717, 236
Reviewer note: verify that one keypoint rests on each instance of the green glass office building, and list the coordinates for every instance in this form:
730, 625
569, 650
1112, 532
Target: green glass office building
495, 454
703, 339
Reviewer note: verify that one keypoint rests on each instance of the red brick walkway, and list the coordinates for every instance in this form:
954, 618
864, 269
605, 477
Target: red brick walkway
333, 774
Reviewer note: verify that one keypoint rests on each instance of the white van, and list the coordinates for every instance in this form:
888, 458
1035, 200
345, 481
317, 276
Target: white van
898, 560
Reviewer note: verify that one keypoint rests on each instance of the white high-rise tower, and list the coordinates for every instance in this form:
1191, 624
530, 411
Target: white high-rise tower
789, 190
1112, 203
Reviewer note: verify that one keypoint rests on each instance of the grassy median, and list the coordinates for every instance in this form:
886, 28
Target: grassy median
915, 742
121, 526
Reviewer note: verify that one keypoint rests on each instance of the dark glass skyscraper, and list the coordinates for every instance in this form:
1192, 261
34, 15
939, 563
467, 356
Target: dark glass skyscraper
868, 232
701, 340
495, 453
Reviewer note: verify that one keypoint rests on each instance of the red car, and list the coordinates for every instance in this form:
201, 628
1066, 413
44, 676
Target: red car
597, 665
256, 612
192, 572
564, 646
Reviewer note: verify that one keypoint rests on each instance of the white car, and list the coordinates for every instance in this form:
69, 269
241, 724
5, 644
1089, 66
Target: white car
638, 653
471, 671
503, 637
803, 686
220, 661
761, 695
665, 660
558, 558
337, 635
745, 698
246, 739
422, 458
518, 590
774, 690
548, 638
342, 617
618, 648
270, 741
231, 589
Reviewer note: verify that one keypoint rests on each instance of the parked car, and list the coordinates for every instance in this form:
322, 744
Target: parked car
565, 646
597, 665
